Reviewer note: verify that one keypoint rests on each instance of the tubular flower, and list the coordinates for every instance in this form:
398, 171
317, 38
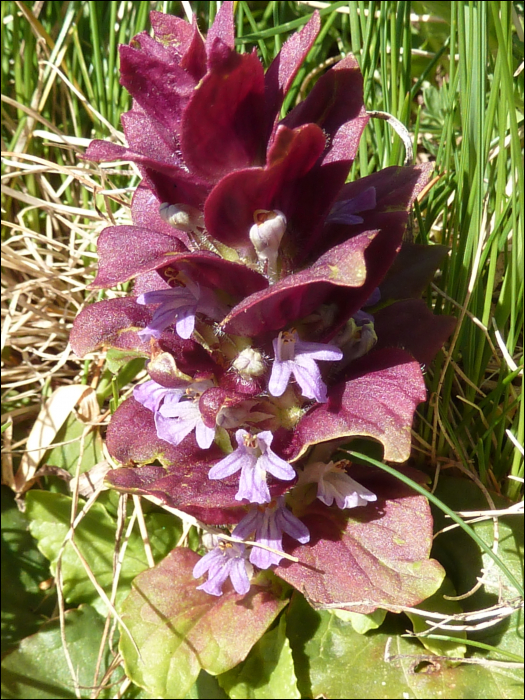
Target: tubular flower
252, 260
269, 523
226, 561
255, 459
293, 356
334, 484
179, 306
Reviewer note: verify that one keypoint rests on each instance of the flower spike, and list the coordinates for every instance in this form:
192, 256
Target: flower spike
244, 227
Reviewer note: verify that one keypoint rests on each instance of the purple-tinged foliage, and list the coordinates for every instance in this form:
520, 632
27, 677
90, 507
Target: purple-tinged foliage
253, 260
370, 557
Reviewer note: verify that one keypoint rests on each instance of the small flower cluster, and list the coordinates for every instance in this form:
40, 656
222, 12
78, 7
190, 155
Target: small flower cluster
254, 262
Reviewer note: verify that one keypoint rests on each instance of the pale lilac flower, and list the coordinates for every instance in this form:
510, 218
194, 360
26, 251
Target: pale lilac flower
227, 560
269, 523
151, 394
254, 458
333, 483
176, 411
344, 211
175, 419
179, 305
293, 356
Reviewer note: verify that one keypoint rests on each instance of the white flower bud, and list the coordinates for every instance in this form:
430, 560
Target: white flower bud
266, 234
249, 363
181, 216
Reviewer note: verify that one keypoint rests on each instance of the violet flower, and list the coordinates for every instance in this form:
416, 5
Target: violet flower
177, 419
269, 523
294, 356
254, 458
176, 411
226, 561
151, 394
333, 483
179, 306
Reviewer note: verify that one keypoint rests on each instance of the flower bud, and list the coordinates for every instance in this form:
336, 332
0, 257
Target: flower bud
181, 216
249, 363
266, 234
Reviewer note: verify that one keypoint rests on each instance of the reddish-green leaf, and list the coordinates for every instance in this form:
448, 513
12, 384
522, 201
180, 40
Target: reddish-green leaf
179, 630
370, 557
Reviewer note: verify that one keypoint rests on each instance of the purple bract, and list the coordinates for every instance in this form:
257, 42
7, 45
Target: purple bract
271, 306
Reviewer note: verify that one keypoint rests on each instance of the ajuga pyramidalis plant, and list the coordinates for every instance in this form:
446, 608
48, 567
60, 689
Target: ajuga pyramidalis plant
278, 309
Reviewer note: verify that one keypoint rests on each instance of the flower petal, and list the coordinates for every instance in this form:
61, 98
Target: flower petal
204, 435
308, 376
318, 351
247, 525
280, 376
252, 484
239, 576
173, 429
185, 324
277, 467
150, 394
292, 525
231, 464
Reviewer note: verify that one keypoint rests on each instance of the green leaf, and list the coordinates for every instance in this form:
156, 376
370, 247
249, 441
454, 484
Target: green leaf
437, 603
464, 559
24, 605
49, 514
362, 623
66, 456
116, 359
333, 661
179, 630
206, 687
38, 668
268, 672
